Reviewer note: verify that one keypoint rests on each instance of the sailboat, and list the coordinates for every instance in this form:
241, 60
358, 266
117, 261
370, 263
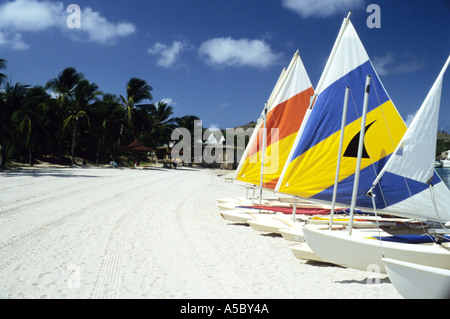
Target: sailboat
279, 122
414, 281
308, 172
269, 146
413, 161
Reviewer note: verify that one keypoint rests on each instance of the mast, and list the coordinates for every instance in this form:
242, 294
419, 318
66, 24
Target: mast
263, 154
360, 150
341, 141
317, 91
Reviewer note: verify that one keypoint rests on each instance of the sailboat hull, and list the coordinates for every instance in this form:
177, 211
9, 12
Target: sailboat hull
415, 281
363, 253
272, 224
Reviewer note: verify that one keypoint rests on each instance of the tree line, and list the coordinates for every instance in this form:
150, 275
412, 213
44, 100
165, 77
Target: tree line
70, 117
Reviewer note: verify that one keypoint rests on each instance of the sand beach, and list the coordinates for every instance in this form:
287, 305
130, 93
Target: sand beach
153, 233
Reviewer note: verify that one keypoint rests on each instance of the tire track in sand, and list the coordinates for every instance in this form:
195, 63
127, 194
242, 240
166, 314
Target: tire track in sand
108, 282
204, 254
16, 247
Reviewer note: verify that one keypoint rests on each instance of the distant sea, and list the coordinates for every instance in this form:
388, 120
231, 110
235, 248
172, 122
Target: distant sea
444, 173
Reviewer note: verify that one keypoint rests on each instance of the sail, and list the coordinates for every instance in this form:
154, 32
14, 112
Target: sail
286, 108
311, 167
415, 155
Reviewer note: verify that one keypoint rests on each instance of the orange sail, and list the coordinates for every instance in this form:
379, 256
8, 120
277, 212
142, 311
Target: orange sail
275, 134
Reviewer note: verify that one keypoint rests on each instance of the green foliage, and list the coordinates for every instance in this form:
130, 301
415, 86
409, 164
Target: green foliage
72, 117
443, 143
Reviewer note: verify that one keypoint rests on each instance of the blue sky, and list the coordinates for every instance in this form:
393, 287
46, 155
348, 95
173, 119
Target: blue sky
219, 60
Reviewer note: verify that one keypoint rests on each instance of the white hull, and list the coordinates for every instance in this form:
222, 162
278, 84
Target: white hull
234, 200
358, 252
242, 215
294, 234
415, 281
446, 163
303, 252
273, 224
361, 222
282, 223
227, 205
233, 203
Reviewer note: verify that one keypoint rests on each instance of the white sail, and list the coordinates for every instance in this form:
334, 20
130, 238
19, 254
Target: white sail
414, 159
415, 155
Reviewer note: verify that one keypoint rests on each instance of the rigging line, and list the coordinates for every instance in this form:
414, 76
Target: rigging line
372, 196
433, 200
394, 146
384, 118
354, 103
410, 194
368, 146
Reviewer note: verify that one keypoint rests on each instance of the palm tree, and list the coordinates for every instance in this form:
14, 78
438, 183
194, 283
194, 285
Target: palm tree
83, 94
2, 67
13, 99
63, 86
2, 116
106, 117
162, 123
137, 91
188, 122
29, 120
142, 121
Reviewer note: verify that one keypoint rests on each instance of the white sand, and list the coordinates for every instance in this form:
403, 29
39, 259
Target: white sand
125, 233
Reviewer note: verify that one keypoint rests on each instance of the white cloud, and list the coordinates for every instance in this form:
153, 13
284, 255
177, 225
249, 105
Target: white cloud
321, 8
392, 63
168, 101
13, 40
21, 16
101, 30
168, 54
31, 15
243, 52
409, 119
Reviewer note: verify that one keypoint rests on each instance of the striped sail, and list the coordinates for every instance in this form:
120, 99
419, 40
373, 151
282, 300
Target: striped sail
286, 108
311, 167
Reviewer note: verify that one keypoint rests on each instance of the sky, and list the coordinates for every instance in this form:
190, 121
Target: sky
219, 60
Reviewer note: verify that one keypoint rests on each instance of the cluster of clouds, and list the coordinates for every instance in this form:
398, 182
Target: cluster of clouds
394, 63
256, 53
18, 17
219, 52
321, 8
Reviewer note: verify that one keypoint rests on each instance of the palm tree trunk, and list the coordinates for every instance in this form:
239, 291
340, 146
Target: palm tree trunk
118, 144
30, 154
74, 140
3, 158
